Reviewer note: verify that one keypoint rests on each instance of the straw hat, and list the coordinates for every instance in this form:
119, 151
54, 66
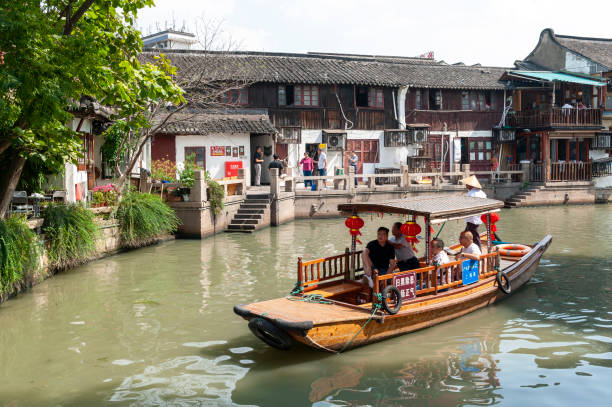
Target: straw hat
472, 181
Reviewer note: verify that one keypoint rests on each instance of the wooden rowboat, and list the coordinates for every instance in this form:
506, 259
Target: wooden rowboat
330, 309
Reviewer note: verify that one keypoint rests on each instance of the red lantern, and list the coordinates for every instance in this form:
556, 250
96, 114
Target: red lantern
354, 223
494, 219
411, 229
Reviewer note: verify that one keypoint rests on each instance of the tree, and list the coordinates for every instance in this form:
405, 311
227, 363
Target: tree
56, 51
214, 74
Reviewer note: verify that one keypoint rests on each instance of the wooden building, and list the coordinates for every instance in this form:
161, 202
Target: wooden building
561, 107
389, 110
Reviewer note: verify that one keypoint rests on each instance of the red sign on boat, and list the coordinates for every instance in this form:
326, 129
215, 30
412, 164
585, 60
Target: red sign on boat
406, 284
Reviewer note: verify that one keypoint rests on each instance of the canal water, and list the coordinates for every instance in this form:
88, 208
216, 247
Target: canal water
155, 327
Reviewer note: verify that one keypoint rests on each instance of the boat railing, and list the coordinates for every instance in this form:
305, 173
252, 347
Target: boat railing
433, 279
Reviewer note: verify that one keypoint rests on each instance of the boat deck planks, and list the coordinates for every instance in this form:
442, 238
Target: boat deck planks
299, 311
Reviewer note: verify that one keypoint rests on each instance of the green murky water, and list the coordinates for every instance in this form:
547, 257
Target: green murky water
155, 327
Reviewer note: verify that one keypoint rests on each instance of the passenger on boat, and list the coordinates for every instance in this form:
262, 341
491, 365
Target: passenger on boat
378, 255
437, 249
406, 260
469, 250
474, 189
440, 257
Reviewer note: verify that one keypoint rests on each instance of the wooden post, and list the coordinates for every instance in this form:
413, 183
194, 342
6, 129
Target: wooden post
300, 278
347, 269
427, 239
489, 233
375, 288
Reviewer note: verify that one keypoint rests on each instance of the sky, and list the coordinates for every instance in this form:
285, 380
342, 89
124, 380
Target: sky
493, 33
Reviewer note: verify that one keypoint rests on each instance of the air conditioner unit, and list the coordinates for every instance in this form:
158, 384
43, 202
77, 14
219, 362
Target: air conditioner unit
334, 141
419, 136
290, 135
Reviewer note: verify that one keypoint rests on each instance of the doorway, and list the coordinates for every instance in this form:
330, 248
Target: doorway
266, 142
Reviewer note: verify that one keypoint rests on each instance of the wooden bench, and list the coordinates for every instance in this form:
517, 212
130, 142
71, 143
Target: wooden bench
341, 288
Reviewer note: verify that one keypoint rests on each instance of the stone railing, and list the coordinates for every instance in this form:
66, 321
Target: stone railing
404, 179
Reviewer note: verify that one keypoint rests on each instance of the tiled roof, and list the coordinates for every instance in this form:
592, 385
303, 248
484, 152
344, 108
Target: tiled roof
208, 123
597, 49
332, 69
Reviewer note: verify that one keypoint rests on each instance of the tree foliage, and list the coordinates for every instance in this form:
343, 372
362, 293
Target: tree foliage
57, 51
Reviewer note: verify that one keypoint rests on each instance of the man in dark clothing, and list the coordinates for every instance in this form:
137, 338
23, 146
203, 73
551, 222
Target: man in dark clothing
257, 161
276, 164
379, 255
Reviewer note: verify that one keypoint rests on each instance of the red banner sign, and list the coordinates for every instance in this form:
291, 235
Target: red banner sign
406, 284
232, 167
217, 151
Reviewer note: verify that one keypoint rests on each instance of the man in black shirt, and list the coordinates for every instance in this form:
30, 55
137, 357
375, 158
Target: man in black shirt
257, 161
276, 164
379, 255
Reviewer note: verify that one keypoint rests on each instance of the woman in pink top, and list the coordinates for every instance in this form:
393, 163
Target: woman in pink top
308, 166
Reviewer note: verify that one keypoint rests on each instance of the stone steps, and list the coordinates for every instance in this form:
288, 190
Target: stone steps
252, 214
521, 197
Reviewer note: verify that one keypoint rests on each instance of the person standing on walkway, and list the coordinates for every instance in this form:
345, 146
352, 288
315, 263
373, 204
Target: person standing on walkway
474, 190
353, 163
307, 167
322, 164
276, 164
258, 160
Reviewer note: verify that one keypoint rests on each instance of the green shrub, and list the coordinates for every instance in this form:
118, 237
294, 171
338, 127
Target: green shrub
70, 233
18, 252
216, 194
143, 217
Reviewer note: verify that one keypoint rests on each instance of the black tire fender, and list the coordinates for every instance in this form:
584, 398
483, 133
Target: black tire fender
395, 292
505, 288
270, 334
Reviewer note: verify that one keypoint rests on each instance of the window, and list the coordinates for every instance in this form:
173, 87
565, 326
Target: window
306, 95
465, 100
481, 152
285, 95
198, 155
435, 99
477, 101
369, 97
235, 97
419, 103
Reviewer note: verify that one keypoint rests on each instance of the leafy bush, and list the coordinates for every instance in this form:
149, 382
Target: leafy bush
186, 171
216, 193
143, 217
70, 233
163, 170
18, 252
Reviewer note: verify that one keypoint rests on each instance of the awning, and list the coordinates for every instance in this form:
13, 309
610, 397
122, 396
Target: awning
549, 76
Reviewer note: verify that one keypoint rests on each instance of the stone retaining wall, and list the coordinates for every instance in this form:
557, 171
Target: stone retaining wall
107, 244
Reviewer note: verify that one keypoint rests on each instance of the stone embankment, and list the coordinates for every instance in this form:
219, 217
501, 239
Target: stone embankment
286, 198
108, 243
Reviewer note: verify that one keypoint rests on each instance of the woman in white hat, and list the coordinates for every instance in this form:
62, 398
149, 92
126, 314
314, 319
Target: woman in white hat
474, 189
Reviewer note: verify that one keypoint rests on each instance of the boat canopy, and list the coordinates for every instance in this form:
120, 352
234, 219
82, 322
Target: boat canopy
434, 207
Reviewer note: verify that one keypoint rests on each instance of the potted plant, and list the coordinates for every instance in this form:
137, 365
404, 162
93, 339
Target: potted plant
163, 170
105, 195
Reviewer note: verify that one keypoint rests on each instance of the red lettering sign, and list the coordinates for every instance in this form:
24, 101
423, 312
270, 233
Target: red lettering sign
406, 284
217, 151
232, 167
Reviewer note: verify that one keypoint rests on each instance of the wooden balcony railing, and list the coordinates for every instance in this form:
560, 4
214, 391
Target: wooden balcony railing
555, 116
576, 171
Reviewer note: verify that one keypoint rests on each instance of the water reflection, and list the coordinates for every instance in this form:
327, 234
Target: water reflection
155, 327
